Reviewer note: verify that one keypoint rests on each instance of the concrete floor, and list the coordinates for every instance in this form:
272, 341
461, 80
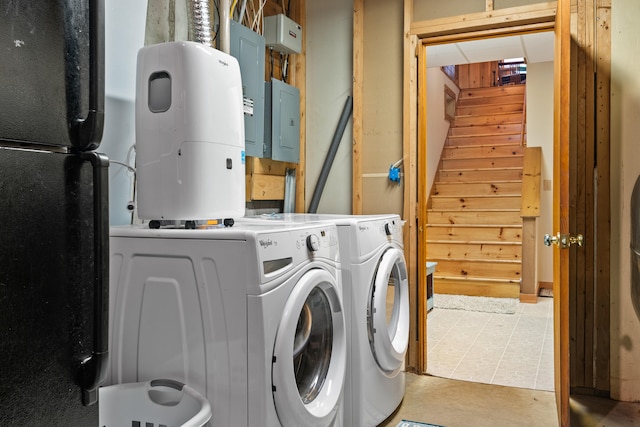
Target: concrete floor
453, 403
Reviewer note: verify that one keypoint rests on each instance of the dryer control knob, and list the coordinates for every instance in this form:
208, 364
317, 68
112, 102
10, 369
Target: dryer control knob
387, 229
313, 243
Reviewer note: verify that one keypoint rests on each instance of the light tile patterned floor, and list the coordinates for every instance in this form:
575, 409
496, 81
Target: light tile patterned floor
505, 349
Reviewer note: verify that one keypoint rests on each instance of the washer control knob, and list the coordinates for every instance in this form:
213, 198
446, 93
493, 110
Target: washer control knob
387, 229
313, 243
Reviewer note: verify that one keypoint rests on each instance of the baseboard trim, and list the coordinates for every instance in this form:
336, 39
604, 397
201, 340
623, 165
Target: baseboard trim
545, 285
529, 298
588, 391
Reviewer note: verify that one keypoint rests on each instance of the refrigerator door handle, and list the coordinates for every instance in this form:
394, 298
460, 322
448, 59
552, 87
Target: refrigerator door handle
94, 367
87, 132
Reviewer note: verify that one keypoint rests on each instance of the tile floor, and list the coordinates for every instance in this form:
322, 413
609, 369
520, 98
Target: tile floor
514, 350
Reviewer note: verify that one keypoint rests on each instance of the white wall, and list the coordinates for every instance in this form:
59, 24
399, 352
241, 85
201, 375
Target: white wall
540, 134
124, 33
329, 49
437, 126
625, 168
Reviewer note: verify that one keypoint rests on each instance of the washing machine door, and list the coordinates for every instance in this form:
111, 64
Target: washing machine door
309, 355
388, 311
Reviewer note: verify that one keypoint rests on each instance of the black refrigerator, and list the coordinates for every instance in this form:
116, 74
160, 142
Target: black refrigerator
53, 213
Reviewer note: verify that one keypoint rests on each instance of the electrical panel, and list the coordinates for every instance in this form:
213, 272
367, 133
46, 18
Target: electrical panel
282, 34
282, 121
248, 47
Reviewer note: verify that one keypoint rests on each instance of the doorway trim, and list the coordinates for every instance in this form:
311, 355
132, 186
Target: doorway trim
489, 24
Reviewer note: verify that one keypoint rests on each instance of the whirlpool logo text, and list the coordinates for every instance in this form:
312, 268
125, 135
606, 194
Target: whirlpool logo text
266, 243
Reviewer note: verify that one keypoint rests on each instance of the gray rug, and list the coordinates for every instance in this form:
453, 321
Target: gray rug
407, 423
483, 304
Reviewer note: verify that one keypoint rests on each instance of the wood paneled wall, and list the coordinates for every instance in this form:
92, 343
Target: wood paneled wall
590, 283
471, 76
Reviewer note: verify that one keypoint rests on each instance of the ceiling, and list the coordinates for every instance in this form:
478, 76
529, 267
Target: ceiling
535, 47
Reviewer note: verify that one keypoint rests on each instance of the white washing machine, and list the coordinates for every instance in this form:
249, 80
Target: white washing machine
376, 298
251, 316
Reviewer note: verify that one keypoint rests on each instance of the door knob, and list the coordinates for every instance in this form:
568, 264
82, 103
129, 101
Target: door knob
563, 240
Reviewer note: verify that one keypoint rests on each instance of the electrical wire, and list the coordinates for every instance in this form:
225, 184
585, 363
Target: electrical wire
271, 60
284, 67
259, 13
397, 164
215, 35
233, 6
247, 16
243, 10
129, 167
127, 162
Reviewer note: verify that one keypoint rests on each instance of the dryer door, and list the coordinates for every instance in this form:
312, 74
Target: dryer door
309, 356
388, 311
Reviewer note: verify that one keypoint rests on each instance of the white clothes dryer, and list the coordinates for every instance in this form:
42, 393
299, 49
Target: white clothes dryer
250, 316
376, 298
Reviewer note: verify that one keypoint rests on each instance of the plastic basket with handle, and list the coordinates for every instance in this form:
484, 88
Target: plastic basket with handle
157, 403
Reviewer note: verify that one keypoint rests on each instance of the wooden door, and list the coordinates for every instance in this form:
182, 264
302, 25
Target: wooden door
562, 121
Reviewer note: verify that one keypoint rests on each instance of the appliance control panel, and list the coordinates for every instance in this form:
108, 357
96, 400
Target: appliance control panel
374, 233
281, 249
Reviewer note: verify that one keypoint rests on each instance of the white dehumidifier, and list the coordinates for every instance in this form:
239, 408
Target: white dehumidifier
190, 162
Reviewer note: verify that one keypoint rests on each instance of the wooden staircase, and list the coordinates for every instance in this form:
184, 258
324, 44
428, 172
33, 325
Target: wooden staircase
474, 229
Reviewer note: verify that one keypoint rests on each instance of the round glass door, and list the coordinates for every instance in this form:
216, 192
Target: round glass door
312, 345
388, 311
310, 353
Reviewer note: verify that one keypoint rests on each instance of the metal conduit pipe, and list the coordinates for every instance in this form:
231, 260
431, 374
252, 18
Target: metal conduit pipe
200, 28
333, 149
635, 247
224, 36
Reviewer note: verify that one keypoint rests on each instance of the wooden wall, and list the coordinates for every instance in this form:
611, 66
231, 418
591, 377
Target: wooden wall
471, 76
589, 278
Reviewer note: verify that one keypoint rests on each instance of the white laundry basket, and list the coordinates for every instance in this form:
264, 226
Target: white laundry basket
154, 403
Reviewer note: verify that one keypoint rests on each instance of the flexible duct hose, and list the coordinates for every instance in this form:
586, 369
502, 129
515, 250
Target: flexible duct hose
200, 28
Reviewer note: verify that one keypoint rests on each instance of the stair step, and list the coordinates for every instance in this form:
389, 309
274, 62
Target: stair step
488, 119
487, 269
474, 250
475, 233
490, 139
488, 109
476, 202
490, 100
492, 91
477, 188
474, 228
488, 163
479, 175
472, 217
483, 151
471, 286
485, 130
